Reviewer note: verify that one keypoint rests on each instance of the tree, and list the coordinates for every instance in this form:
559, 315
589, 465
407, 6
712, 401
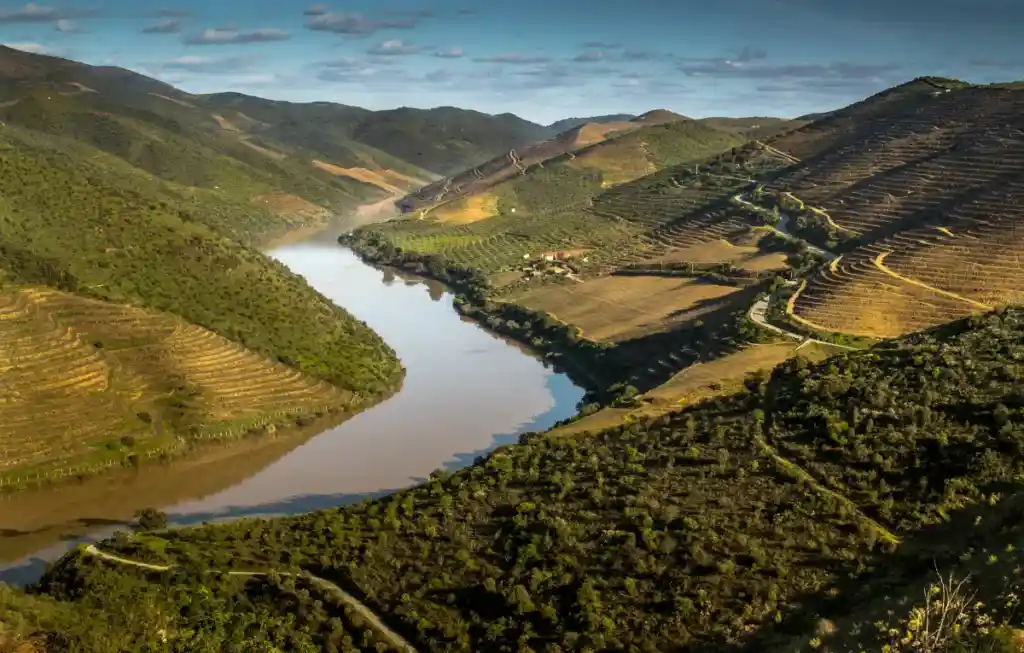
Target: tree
150, 519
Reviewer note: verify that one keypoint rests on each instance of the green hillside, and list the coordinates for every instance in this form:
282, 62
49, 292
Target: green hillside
136, 314
568, 181
816, 494
443, 140
85, 221
573, 177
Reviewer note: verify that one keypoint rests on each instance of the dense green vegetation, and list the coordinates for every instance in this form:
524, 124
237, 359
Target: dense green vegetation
88, 222
548, 187
443, 140
565, 182
751, 516
178, 151
683, 141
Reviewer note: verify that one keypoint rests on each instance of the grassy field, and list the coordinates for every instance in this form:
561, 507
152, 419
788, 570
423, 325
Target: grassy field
617, 308
693, 384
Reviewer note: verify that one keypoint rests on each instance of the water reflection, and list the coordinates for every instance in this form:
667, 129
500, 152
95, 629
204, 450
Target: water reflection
466, 392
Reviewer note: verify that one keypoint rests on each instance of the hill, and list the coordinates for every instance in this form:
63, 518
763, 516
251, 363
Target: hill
919, 189
783, 517
569, 168
565, 124
172, 135
891, 215
442, 141
756, 127
126, 262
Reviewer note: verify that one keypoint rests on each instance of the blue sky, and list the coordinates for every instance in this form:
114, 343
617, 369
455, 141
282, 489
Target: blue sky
541, 59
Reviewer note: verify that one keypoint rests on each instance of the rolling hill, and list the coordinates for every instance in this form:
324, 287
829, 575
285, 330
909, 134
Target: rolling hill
136, 316
920, 189
565, 124
895, 214
582, 160
440, 141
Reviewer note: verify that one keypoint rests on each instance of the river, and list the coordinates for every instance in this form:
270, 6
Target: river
466, 392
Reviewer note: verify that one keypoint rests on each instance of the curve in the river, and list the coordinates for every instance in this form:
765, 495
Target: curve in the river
466, 392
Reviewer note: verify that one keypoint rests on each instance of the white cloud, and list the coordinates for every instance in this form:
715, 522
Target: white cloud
450, 53
221, 36
395, 47
34, 48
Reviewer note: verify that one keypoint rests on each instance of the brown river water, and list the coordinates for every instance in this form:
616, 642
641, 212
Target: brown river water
466, 392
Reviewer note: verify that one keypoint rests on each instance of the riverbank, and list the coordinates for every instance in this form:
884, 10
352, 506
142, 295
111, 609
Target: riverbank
586, 362
478, 390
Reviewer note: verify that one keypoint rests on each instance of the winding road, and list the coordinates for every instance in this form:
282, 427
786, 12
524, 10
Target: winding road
758, 313
782, 228
366, 613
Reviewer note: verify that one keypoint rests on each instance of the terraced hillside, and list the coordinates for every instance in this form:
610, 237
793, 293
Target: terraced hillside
644, 280
523, 160
806, 512
920, 187
568, 169
613, 227
231, 340
86, 384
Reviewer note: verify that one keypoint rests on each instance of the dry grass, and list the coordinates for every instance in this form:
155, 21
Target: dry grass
696, 383
716, 251
468, 209
761, 262
594, 132
616, 165
359, 174
225, 124
505, 277
178, 102
722, 251
292, 205
619, 307
79, 374
399, 179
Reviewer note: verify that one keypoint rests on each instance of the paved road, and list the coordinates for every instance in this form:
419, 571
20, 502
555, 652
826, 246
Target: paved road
366, 613
783, 228
759, 315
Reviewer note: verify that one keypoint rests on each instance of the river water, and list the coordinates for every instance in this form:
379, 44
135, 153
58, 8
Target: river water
466, 392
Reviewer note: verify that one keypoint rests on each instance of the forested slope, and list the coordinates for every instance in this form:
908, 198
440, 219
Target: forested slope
733, 522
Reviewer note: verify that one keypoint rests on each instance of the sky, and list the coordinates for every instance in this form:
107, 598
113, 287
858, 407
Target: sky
540, 59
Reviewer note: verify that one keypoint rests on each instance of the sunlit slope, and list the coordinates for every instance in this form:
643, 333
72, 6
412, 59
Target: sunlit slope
920, 187
86, 383
573, 176
186, 152
81, 220
653, 218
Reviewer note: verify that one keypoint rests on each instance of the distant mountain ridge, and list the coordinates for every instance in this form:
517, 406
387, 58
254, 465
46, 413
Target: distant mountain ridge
568, 123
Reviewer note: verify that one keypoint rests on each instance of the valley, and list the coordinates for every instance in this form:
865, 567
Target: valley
450, 367
630, 383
